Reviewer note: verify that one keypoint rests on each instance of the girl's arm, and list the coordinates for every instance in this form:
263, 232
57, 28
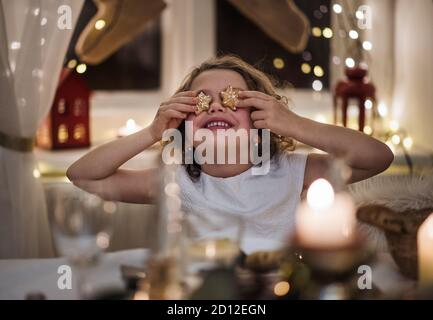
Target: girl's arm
103, 161
98, 171
366, 156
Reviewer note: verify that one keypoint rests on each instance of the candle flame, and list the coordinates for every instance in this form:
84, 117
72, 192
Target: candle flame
320, 194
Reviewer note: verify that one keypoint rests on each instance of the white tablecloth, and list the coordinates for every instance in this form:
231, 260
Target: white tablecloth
20, 277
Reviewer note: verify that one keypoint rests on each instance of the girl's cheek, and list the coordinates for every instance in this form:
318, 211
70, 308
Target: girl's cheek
244, 118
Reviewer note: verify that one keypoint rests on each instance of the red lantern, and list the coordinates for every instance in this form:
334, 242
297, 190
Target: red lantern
67, 124
354, 86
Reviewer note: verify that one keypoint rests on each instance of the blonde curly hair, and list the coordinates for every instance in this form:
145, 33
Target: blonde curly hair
256, 80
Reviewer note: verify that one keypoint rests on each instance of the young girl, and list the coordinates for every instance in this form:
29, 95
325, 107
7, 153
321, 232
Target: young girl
267, 202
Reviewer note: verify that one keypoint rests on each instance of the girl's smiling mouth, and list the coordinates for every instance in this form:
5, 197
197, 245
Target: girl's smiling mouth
216, 123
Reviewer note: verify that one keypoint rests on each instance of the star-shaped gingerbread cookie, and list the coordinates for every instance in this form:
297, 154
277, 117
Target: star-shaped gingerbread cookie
203, 103
230, 97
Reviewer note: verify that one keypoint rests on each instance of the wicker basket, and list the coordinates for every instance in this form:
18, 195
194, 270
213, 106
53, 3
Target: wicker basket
400, 229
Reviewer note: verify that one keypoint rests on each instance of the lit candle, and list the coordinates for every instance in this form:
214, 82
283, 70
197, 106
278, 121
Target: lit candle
130, 128
425, 252
326, 219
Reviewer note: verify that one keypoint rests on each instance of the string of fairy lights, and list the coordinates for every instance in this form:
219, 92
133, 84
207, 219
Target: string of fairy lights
351, 24
326, 32
306, 67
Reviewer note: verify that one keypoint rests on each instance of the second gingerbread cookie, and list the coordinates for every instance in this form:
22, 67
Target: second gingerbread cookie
230, 97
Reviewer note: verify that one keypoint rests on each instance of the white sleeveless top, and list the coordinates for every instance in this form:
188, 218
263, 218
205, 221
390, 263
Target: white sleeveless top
266, 203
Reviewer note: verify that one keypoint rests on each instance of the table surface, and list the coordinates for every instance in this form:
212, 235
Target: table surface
21, 277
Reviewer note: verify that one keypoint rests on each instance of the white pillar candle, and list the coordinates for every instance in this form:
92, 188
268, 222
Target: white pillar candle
326, 219
425, 252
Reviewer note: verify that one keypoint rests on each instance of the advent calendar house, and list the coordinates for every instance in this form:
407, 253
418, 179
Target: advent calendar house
67, 124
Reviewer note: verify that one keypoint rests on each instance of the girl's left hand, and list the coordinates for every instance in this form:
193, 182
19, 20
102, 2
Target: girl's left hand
271, 113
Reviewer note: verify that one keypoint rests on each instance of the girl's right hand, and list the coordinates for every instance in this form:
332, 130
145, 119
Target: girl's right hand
171, 113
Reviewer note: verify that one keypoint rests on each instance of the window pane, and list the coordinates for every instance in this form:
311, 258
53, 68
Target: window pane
238, 35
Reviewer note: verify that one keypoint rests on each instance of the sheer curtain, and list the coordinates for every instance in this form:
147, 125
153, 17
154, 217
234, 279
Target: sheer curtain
413, 78
32, 50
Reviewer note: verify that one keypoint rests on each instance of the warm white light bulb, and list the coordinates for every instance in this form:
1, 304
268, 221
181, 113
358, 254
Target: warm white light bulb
408, 142
350, 63
72, 64
81, 68
327, 33
382, 109
317, 85
318, 71
367, 45
337, 8
368, 104
368, 130
359, 14
353, 34
100, 24
306, 68
395, 139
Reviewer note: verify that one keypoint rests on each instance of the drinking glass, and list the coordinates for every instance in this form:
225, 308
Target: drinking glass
213, 240
82, 228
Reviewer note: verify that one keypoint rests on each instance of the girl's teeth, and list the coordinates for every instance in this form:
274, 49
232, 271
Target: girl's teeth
218, 123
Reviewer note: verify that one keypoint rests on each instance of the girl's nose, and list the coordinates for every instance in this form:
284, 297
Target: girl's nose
216, 106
